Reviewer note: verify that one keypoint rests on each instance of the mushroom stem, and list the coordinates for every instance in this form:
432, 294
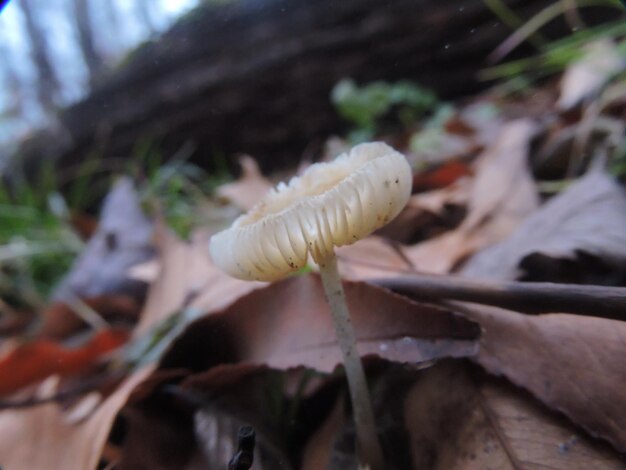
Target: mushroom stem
368, 444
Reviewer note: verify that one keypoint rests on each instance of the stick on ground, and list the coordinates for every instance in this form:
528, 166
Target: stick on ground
526, 297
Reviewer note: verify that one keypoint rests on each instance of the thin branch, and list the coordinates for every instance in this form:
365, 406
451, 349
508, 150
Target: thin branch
525, 297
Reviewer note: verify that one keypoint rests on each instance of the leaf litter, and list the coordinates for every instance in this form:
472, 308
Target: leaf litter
502, 194
572, 363
570, 238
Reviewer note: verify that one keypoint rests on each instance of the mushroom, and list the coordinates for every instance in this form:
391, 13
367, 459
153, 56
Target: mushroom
331, 204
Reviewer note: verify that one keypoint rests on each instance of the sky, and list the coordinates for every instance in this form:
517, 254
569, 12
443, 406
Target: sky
55, 20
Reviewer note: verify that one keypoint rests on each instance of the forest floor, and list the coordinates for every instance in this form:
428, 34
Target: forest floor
490, 314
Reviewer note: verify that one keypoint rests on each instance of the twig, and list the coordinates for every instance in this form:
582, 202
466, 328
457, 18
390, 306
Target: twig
525, 297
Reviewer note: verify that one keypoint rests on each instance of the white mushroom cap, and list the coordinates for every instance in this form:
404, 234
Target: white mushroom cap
331, 204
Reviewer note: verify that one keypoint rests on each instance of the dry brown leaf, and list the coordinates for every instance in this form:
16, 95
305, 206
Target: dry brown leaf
503, 193
574, 364
288, 324
249, 188
31, 362
483, 117
441, 254
372, 257
588, 219
481, 423
434, 145
187, 278
41, 437
440, 176
435, 201
428, 214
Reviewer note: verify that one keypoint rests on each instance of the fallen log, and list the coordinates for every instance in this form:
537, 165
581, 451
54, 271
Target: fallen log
255, 76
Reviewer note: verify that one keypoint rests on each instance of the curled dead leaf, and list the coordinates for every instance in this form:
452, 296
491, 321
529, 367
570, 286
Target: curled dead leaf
503, 194
187, 278
586, 222
29, 363
41, 437
572, 363
482, 422
287, 324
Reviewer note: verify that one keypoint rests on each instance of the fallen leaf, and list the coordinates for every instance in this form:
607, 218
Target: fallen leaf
433, 145
84, 225
372, 257
221, 291
586, 220
587, 75
123, 239
503, 194
572, 363
436, 201
428, 214
288, 324
29, 363
188, 279
441, 176
13, 322
84, 408
246, 192
182, 274
41, 437
442, 254
503, 189
481, 422
484, 120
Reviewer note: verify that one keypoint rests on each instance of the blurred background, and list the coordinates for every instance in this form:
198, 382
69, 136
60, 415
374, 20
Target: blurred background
84, 76
53, 52
172, 93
